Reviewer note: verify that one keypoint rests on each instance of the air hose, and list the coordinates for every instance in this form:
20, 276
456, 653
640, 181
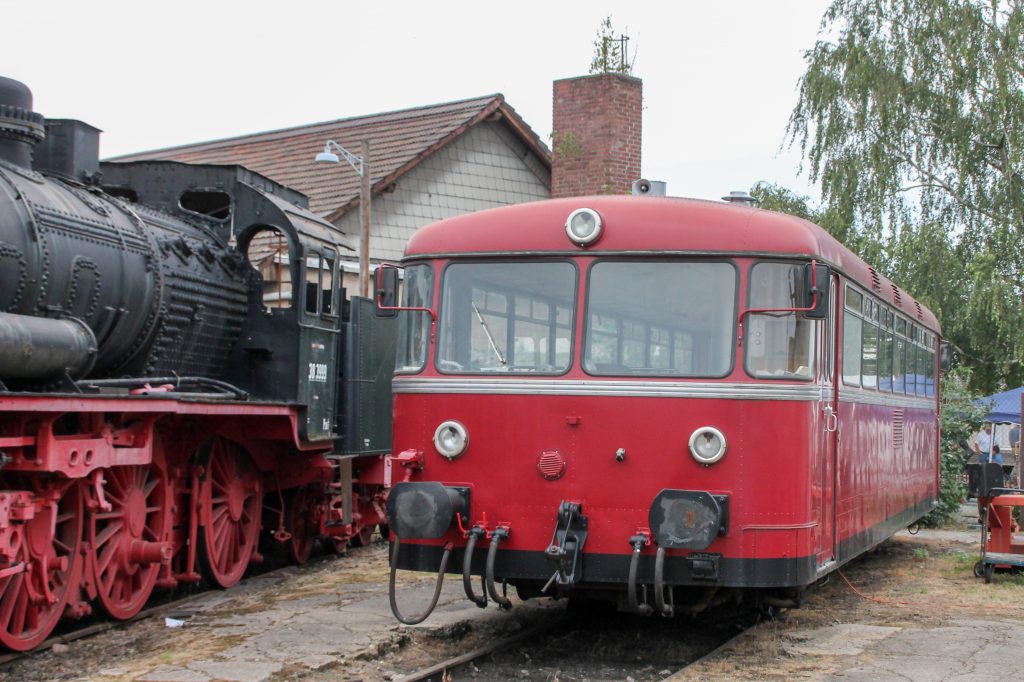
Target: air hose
413, 620
467, 572
634, 561
492, 552
659, 585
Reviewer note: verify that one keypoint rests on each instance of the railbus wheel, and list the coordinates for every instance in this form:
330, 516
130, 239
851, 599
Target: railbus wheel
302, 519
32, 601
231, 499
129, 542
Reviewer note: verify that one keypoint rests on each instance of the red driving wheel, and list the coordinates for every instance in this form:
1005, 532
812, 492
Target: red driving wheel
129, 541
230, 499
32, 601
302, 518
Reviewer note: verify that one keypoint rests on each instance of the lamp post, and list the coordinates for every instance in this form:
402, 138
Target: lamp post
361, 165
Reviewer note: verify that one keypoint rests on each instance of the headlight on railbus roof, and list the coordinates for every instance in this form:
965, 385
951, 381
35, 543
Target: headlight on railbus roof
583, 226
707, 445
451, 439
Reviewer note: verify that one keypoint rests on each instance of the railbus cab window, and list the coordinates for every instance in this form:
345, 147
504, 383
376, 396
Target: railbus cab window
778, 344
507, 317
414, 325
667, 318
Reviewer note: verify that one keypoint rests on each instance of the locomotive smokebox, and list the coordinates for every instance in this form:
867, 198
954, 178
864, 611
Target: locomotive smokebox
20, 127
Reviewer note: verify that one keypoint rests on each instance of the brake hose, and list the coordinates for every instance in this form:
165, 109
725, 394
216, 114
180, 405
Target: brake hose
492, 552
413, 620
659, 584
467, 570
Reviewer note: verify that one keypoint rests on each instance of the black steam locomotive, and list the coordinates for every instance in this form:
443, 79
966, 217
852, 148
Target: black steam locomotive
183, 382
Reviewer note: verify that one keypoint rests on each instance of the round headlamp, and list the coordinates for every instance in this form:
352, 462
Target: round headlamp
583, 226
707, 445
451, 439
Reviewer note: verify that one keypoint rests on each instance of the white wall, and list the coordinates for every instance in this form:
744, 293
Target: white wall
488, 166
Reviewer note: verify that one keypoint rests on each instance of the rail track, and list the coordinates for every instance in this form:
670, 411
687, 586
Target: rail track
579, 646
159, 606
97, 628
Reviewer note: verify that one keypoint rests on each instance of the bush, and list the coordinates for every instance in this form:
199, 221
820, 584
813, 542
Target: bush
960, 417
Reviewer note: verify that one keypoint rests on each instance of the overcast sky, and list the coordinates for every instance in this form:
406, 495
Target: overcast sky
720, 77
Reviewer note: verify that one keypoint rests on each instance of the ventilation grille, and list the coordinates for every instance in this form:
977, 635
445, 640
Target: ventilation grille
876, 281
897, 429
551, 465
896, 298
920, 313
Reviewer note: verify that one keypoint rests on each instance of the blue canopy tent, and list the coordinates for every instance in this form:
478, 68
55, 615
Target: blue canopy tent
1003, 407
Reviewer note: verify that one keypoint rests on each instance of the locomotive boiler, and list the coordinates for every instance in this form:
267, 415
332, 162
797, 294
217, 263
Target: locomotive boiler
183, 384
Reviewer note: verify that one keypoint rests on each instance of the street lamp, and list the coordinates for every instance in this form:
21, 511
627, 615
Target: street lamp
361, 165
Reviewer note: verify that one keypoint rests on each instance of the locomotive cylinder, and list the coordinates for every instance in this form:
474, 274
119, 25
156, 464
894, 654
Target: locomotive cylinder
38, 348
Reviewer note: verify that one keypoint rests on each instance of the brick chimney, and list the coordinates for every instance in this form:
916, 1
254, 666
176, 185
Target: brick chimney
596, 139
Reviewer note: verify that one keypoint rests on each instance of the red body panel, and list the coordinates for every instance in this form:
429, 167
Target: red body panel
813, 475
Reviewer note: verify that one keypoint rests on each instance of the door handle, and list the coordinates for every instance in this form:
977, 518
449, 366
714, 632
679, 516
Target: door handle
831, 419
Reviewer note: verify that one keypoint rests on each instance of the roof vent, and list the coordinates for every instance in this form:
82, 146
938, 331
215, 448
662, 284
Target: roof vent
876, 281
896, 298
920, 313
739, 197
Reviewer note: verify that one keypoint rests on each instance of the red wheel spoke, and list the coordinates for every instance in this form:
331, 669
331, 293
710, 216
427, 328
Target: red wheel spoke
10, 598
107, 533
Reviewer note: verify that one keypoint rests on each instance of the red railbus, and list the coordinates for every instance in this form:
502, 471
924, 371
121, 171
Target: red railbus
658, 400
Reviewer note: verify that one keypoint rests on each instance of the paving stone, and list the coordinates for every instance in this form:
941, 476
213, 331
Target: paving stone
847, 639
237, 671
174, 673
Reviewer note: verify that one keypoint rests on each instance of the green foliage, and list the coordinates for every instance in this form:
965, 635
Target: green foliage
960, 417
566, 145
911, 115
609, 53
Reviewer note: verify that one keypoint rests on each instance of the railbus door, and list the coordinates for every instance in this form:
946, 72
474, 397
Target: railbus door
828, 433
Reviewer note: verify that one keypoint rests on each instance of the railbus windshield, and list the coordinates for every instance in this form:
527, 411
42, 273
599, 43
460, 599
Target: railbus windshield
660, 318
507, 317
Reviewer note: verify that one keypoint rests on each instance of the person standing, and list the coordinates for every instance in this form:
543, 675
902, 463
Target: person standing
983, 443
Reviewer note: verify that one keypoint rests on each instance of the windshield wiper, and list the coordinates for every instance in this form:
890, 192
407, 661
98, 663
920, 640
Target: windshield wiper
490, 339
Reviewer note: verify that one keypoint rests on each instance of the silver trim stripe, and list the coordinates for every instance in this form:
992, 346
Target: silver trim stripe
625, 388
853, 395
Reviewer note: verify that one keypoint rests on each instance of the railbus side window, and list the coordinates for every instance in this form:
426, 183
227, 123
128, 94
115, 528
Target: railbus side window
778, 344
869, 359
885, 341
414, 325
899, 356
660, 319
911, 368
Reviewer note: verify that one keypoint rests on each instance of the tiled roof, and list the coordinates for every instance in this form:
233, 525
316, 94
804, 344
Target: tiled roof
399, 141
